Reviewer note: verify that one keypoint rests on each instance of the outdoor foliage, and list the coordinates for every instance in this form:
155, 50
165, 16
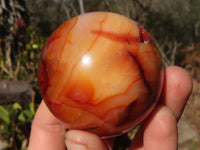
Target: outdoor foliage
15, 124
25, 26
14, 19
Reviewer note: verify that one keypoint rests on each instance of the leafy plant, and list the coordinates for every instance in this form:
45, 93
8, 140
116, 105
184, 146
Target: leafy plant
30, 56
15, 124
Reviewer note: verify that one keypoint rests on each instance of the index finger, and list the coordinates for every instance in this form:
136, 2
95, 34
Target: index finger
47, 131
177, 89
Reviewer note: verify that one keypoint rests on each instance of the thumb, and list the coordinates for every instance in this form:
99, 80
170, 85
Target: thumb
82, 140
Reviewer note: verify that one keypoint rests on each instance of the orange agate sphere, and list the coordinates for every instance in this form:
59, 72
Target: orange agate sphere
100, 72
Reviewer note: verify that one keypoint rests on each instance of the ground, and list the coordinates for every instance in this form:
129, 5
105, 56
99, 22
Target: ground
189, 124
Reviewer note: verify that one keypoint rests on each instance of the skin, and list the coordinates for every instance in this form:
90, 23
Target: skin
158, 131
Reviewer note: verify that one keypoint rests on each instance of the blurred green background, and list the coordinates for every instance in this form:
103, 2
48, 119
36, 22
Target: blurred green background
25, 26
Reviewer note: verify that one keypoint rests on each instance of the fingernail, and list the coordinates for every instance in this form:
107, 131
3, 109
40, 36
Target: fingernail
71, 145
74, 142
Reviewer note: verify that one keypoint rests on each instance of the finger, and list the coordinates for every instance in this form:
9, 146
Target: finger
47, 131
160, 131
81, 140
177, 88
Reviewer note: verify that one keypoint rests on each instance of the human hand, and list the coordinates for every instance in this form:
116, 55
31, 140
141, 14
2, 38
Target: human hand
158, 131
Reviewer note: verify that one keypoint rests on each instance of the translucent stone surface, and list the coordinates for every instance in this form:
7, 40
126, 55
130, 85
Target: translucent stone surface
100, 72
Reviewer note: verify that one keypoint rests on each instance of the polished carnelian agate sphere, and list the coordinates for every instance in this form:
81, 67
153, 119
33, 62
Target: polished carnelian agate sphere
100, 72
